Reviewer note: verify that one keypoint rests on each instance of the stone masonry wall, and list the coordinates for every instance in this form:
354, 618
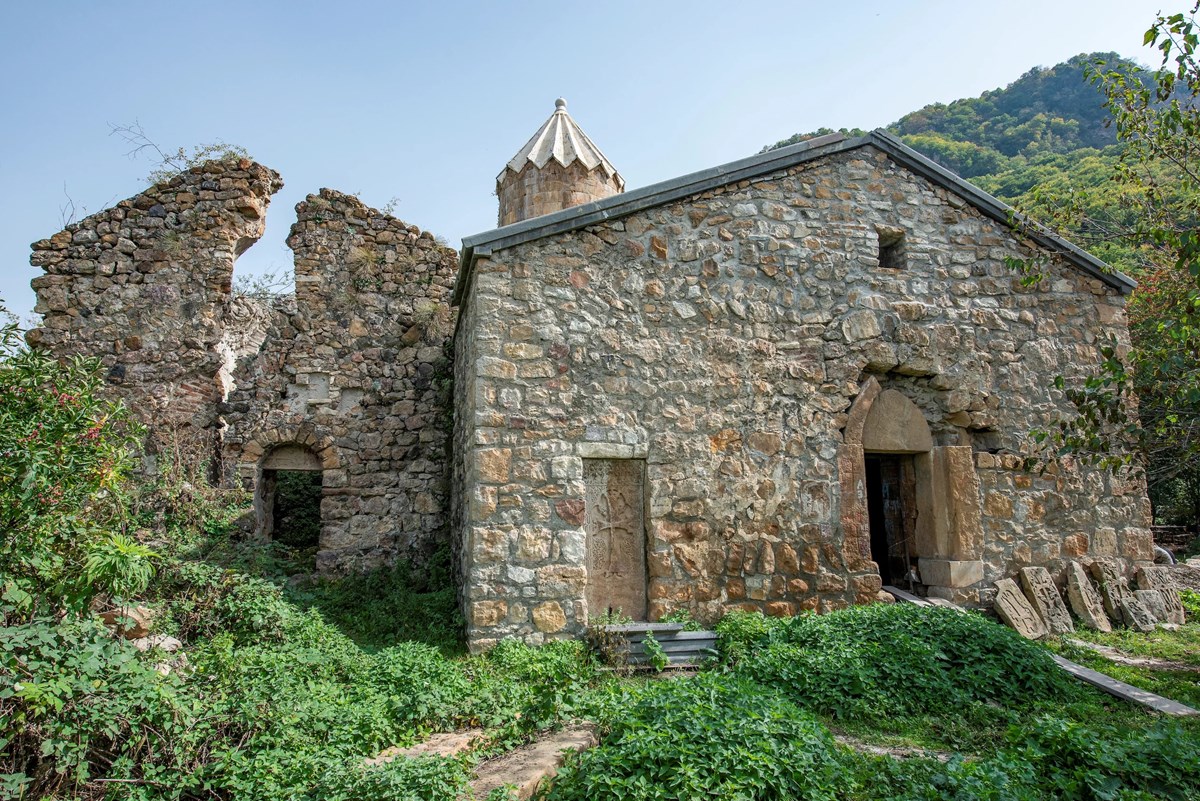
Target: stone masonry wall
723, 340
357, 371
536, 191
353, 368
146, 287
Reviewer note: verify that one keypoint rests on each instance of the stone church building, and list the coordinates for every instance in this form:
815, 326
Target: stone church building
776, 384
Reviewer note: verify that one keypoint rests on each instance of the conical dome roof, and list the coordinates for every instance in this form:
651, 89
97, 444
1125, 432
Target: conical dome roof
560, 138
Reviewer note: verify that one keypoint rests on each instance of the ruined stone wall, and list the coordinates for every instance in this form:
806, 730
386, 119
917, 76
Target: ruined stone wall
146, 287
356, 370
353, 368
723, 340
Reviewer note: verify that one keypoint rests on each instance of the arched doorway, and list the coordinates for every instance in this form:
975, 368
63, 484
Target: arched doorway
896, 444
908, 505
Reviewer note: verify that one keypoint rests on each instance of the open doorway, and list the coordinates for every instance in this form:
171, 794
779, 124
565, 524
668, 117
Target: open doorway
296, 509
289, 500
892, 512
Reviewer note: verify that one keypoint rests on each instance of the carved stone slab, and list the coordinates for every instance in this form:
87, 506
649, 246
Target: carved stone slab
1043, 596
1152, 602
1136, 616
1114, 589
1085, 601
1014, 609
1159, 578
616, 536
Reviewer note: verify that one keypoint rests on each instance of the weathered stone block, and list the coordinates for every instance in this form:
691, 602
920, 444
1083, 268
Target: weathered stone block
1043, 596
950, 573
1114, 589
1014, 609
1086, 603
1159, 578
1152, 602
1136, 616
549, 617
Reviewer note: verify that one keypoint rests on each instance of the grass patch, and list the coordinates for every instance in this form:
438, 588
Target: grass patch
1181, 645
392, 605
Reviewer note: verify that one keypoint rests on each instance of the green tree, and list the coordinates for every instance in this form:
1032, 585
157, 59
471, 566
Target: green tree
1156, 182
65, 453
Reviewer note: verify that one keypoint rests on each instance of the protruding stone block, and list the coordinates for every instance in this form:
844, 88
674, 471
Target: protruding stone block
1114, 590
1014, 609
1085, 601
1136, 615
950, 572
1043, 596
1159, 578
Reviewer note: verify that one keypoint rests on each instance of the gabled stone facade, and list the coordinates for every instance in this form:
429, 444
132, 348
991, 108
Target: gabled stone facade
757, 349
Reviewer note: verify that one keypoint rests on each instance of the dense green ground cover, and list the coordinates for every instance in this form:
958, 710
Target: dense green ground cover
287, 688
1017, 726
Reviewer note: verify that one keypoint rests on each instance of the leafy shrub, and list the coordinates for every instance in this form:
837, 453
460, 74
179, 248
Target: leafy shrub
900, 659
65, 453
78, 706
1191, 601
739, 633
391, 605
715, 736
120, 566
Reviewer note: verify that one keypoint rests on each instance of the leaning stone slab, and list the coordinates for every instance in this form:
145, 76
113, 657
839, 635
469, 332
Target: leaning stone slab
1114, 590
1159, 578
1085, 601
1152, 602
1014, 609
1137, 616
1044, 598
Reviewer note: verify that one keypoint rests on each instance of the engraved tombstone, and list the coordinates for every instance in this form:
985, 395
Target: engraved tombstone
1137, 616
1159, 578
1014, 609
1043, 596
1152, 602
1085, 601
616, 536
1114, 589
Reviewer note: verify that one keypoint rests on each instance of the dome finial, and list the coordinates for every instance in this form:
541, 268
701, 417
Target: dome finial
560, 105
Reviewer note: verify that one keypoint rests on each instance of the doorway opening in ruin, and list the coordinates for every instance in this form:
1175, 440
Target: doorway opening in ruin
288, 498
615, 523
891, 514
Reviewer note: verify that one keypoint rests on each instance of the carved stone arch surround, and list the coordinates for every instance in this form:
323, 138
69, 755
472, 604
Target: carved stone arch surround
949, 526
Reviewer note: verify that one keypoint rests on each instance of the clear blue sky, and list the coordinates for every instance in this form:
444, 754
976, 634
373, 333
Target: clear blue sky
426, 102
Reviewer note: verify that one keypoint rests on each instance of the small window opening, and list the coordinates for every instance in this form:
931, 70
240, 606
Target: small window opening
892, 255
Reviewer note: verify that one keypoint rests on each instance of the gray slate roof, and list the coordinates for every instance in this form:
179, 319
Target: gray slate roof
622, 205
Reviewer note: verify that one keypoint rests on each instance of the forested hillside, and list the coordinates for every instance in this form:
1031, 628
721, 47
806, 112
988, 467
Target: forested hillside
1047, 131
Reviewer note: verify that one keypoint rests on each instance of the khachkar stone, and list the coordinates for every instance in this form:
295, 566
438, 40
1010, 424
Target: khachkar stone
1159, 578
1152, 602
1043, 596
1085, 601
1114, 589
1015, 610
1136, 615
